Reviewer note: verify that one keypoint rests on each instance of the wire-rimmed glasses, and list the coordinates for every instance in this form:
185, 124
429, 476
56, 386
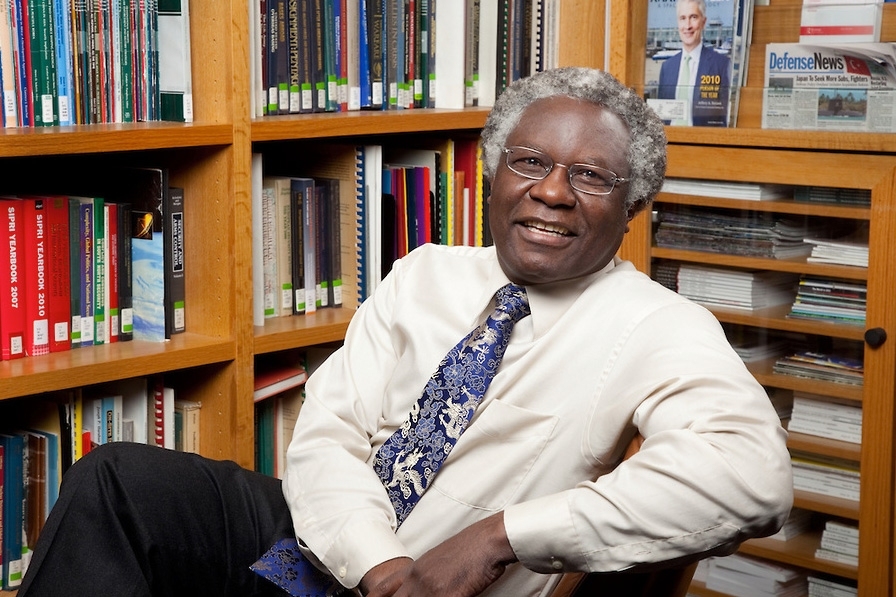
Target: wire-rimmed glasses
536, 165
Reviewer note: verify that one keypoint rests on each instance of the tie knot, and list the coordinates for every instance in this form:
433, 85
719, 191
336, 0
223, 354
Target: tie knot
512, 299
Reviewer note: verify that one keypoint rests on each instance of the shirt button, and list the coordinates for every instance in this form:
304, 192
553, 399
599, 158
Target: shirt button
342, 572
556, 564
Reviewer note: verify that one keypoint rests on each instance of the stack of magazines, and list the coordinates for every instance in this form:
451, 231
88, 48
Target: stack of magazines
826, 475
840, 543
825, 417
846, 250
830, 300
735, 289
754, 234
821, 366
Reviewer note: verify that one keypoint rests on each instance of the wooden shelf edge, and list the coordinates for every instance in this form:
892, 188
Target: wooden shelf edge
798, 551
783, 139
104, 138
348, 124
824, 446
826, 505
789, 206
109, 362
300, 331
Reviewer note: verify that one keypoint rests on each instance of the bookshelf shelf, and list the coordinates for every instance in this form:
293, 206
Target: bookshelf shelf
106, 138
300, 331
784, 206
798, 551
775, 318
795, 266
107, 362
823, 446
353, 124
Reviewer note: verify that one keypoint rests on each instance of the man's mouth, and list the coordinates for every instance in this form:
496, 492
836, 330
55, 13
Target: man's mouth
547, 228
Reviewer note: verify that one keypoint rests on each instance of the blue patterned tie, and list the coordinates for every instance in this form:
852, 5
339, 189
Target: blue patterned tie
408, 460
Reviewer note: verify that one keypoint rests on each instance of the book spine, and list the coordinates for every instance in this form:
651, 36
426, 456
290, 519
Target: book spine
75, 273
64, 73
58, 273
125, 277
298, 263
12, 283
36, 297
322, 246
13, 510
335, 240
294, 48
269, 254
306, 56
175, 284
99, 271
113, 264
23, 67
88, 273
10, 110
283, 243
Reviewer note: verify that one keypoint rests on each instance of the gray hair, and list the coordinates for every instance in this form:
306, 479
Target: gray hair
647, 150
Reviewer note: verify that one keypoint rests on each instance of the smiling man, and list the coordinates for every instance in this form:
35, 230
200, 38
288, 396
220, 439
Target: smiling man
533, 486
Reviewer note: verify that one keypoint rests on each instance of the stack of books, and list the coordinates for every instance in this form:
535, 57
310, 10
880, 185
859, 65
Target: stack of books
839, 543
830, 300
821, 366
824, 417
752, 346
825, 475
735, 289
727, 189
823, 587
743, 576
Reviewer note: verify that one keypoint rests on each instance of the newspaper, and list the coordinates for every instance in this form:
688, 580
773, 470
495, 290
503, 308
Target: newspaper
849, 87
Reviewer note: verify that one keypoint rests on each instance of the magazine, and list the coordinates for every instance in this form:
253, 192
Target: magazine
849, 87
708, 99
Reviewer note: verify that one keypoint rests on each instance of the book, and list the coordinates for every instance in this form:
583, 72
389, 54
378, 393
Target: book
449, 68
8, 94
702, 99
12, 281
41, 44
13, 508
271, 298
282, 241
273, 378
257, 204
175, 61
33, 271
187, 425
146, 190
58, 275
287, 405
174, 260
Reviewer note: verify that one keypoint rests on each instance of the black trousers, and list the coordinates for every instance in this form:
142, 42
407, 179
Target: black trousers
135, 521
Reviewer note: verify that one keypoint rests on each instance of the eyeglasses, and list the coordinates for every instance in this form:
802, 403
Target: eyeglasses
586, 178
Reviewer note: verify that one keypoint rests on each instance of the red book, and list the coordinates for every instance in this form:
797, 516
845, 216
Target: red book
58, 272
12, 282
275, 378
33, 273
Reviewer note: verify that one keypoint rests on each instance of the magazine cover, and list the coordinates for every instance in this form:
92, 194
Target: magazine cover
694, 90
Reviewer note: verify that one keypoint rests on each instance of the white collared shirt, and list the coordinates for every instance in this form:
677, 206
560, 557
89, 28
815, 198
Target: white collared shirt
597, 359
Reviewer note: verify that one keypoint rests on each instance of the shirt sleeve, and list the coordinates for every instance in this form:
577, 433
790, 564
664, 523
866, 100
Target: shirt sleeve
340, 511
712, 472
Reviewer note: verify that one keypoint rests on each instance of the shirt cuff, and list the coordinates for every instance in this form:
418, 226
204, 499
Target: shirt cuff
360, 547
542, 535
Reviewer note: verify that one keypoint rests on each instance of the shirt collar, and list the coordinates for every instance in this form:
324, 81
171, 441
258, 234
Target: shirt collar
548, 302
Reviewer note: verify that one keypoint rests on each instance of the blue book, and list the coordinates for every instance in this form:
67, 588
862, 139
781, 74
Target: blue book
64, 73
13, 508
364, 57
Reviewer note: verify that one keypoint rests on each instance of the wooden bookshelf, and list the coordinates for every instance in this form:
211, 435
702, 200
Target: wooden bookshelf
839, 159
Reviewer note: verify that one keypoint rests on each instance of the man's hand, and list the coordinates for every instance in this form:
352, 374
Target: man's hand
464, 565
384, 579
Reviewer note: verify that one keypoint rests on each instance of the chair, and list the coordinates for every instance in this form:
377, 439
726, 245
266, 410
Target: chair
666, 582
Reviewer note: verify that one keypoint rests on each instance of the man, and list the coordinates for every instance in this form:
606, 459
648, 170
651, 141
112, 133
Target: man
533, 485
698, 74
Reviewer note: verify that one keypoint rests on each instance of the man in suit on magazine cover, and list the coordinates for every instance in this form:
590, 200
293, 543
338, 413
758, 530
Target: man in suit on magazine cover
493, 468
698, 73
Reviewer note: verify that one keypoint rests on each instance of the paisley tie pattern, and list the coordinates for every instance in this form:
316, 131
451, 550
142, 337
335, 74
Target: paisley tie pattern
409, 459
